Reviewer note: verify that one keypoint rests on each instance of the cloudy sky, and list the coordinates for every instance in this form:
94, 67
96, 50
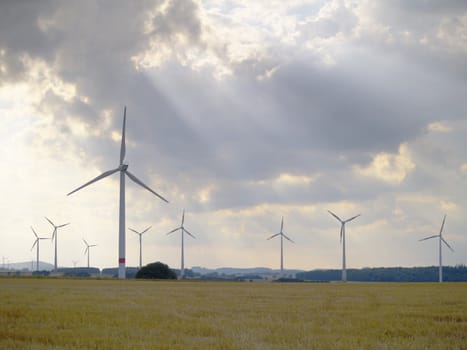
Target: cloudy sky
240, 112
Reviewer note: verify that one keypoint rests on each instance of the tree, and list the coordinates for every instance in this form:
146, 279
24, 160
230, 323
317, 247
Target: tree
156, 270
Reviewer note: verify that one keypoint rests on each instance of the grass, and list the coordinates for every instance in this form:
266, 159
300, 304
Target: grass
54, 313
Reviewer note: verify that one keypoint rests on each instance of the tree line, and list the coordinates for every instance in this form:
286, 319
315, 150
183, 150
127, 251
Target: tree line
456, 273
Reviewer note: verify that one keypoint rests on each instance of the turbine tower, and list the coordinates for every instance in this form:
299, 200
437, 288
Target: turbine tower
183, 230
441, 239
36, 243
54, 237
87, 250
140, 234
343, 222
282, 243
123, 169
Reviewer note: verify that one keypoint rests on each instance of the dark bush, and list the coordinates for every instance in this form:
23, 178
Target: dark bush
156, 270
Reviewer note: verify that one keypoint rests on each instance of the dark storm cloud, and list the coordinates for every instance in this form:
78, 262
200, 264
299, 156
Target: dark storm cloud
194, 131
90, 45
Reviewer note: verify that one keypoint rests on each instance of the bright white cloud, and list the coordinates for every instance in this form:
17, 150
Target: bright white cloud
392, 168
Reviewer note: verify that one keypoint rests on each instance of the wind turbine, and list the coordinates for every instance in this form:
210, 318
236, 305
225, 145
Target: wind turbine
54, 236
87, 250
140, 234
123, 169
441, 239
282, 243
343, 222
183, 230
36, 243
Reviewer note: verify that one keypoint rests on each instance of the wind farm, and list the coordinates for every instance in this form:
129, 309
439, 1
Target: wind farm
122, 269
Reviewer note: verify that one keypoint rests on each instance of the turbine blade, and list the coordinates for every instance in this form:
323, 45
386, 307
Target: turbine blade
277, 234
353, 217
175, 229
35, 242
123, 146
424, 239
139, 182
63, 225
85, 242
49, 221
190, 234
146, 230
447, 244
282, 224
101, 176
342, 231
133, 230
35, 234
183, 216
442, 225
338, 218
86, 250
288, 238
54, 233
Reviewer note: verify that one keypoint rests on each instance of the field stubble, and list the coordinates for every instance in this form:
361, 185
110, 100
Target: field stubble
111, 314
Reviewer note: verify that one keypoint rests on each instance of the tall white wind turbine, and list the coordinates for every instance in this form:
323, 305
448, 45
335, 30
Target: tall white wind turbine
183, 231
343, 222
140, 234
282, 243
87, 250
36, 243
54, 237
441, 240
123, 169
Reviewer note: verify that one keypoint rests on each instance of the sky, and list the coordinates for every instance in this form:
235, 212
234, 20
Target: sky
241, 113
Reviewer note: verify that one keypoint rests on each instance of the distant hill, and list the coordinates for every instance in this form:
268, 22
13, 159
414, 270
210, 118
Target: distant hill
375, 274
30, 266
456, 273
241, 271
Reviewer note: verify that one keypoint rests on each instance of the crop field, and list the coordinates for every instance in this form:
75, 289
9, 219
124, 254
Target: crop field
52, 313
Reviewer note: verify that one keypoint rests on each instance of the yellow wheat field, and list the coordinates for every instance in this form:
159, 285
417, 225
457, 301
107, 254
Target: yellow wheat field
54, 313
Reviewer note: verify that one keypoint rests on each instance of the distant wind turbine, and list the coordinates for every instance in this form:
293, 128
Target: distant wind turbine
54, 237
343, 222
123, 169
183, 230
36, 243
282, 243
87, 250
140, 234
441, 239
